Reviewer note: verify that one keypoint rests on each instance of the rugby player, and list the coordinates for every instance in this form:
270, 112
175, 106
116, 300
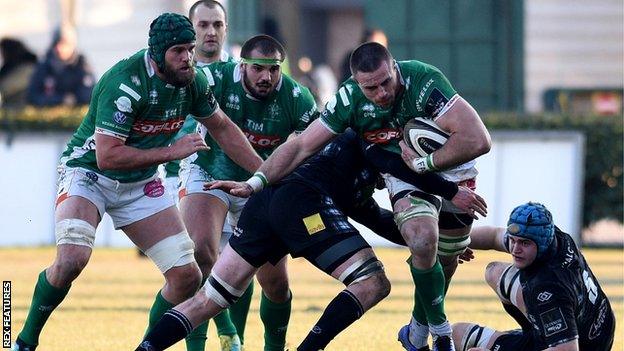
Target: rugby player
269, 107
549, 289
377, 102
110, 165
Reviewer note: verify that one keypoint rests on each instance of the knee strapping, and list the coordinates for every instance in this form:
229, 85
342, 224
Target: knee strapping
509, 284
361, 270
475, 336
173, 251
75, 232
451, 245
222, 293
418, 208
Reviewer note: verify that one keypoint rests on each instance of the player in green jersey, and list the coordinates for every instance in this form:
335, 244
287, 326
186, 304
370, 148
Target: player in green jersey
110, 165
269, 107
209, 20
376, 102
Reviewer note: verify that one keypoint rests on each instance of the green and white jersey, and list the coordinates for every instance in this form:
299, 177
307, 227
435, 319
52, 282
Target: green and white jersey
131, 103
427, 93
267, 123
172, 168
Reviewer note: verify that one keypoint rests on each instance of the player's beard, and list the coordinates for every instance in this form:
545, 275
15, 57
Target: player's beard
252, 89
177, 78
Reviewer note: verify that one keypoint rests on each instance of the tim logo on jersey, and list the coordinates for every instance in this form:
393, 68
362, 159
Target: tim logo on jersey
153, 127
383, 136
262, 141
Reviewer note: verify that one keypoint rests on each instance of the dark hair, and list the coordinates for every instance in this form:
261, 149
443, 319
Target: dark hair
266, 44
368, 57
211, 4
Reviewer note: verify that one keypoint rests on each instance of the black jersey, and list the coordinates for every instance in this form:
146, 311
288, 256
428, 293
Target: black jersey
564, 300
339, 171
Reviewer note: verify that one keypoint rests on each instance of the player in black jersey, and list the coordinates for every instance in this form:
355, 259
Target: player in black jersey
549, 289
305, 215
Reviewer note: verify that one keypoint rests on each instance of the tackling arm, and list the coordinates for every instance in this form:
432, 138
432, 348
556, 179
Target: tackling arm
488, 238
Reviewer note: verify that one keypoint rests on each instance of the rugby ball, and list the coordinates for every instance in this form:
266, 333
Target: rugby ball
424, 136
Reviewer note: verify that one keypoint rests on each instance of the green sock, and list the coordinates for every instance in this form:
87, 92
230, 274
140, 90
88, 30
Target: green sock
418, 312
430, 287
224, 323
239, 311
45, 299
275, 317
159, 308
196, 340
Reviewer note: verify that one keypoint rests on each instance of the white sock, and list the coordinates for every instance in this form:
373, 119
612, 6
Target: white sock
441, 329
418, 333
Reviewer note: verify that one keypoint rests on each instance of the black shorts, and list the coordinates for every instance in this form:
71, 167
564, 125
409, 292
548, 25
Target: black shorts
450, 220
513, 340
297, 219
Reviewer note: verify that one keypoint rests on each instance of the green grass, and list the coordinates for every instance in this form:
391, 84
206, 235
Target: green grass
108, 304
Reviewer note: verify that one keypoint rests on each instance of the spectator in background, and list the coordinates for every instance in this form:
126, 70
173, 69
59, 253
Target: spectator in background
64, 77
18, 64
369, 34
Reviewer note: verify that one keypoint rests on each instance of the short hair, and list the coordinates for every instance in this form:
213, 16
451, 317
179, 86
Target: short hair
211, 4
266, 44
368, 57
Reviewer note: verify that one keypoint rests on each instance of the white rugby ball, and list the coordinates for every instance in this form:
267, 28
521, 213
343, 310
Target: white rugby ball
424, 136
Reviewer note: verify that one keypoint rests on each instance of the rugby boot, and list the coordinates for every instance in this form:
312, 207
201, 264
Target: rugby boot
443, 343
230, 343
405, 342
22, 346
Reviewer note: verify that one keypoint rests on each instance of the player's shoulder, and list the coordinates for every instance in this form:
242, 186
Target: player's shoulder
546, 286
131, 75
294, 90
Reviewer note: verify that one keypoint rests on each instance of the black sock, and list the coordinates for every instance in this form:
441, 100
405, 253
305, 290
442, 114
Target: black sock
171, 328
341, 312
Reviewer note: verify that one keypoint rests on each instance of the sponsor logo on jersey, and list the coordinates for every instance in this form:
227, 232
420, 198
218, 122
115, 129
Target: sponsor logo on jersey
383, 136
296, 91
553, 321
152, 127
262, 141
314, 223
182, 92
233, 102
544, 296
421, 95
237, 231
153, 97
435, 103
123, 104
596, 328
119, 117
92, 175
369, 110
135, 79
154, 188
569, 256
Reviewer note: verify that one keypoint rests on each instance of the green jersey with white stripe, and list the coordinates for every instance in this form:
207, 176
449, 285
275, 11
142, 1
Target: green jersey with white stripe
427, 93
172, 168
131, 103
267, 123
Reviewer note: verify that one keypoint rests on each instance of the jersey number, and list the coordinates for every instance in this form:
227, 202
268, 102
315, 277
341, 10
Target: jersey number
592, 289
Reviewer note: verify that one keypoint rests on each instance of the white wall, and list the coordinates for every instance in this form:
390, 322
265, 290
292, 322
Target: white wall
572, 44
538, 166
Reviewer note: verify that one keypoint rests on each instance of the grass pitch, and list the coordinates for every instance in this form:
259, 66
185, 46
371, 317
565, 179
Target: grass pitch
107, 307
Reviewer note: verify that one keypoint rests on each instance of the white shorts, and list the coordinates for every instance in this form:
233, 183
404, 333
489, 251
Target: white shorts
125, 203
192, 181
